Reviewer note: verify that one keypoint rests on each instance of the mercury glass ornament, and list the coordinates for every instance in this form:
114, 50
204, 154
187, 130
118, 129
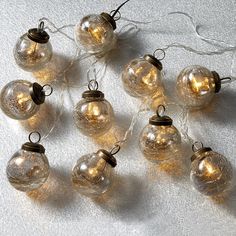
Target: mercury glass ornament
21, 99
96, 33
33, 49
211, 173
196, 86
160, 140
28, 169
142, 76
93, 115
92, 175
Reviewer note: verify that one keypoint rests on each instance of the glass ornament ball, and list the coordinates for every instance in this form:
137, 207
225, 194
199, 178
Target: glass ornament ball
32, 55
16, 101
21, 99
211, 173
196, 86
28, 169
95, 33
93, 173
93, 115
160, 140
142, 76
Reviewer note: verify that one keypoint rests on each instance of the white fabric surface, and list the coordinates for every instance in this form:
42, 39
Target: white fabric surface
146, 200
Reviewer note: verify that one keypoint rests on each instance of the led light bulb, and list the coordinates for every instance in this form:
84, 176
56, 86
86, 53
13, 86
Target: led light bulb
28, 169
211, 173
93, 115
142, 76
92, 174
33, 49
21, 99
196, 86
160, 140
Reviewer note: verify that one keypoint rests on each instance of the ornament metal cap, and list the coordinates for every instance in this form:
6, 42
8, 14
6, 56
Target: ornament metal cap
92, 94
159, 120
33, 146
199, 151
38, 36
154, 61
37, 93
107, 156
109, 19
217, 81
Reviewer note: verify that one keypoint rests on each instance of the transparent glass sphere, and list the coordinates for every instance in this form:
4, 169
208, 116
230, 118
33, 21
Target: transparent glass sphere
211, 173
93, 116
159, 143
92, 175
16, 101
95, 34
141, 78
195, 86
30, 55
27, 171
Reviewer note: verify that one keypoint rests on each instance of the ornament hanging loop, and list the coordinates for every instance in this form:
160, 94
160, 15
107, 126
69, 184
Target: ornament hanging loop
49, 88
225, 80
93, 85
197, 146
115, 149
116, 18
161, 52
33, 134
160, 110
114, 12
41, 26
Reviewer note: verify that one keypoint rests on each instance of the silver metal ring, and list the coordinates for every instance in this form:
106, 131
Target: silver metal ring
160, 110
197, 146
115, 149
162, 51
93, 85
32, 133
116, 18
50, 91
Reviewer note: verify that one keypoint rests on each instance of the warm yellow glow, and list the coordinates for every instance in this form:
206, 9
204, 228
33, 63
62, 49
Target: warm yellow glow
200, 84
22, 99
97, 34
150, 77
210, 170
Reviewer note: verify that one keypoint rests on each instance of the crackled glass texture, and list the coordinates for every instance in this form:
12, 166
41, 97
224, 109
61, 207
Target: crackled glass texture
16, 102
27, 171
211, 173
95, 34
141, 78
159, 143
93, 116
92, 175
32, 56
195, 86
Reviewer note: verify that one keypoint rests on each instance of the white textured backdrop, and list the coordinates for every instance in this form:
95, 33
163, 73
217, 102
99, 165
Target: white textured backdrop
146, 199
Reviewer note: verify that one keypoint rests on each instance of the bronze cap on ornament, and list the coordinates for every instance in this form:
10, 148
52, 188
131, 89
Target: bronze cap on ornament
33, 147
108, 157
93, 94
37, 93
199, 152
154, 61
109, 19
217, 81
38, 36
